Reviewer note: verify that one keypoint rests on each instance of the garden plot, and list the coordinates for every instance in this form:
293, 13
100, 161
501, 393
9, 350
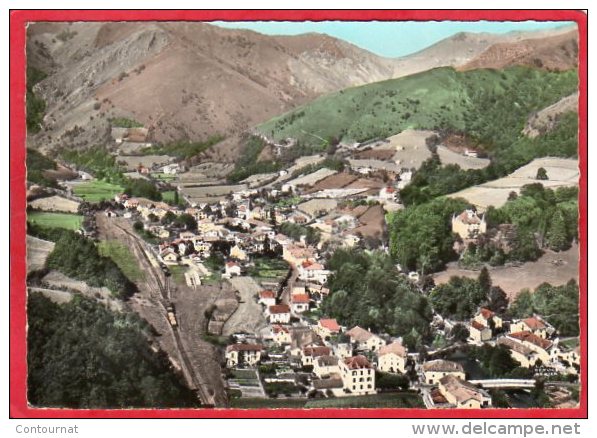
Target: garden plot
55, 203
562, 172
410, 146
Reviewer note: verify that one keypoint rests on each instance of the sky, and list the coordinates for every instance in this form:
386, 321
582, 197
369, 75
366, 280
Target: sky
390, 39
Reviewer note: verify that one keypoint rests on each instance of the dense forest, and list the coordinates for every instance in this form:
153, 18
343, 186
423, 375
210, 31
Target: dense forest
421, 236
367, 290
78, 257
81, 355
557, 304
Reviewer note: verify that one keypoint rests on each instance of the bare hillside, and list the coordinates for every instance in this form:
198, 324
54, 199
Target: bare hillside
559, 52
191, 80
545, 120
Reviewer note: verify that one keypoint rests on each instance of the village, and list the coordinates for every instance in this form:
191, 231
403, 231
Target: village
296, 352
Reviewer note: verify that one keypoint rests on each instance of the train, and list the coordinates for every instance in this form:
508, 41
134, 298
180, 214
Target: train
171, 315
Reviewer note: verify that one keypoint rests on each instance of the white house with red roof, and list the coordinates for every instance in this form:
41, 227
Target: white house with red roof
327, 327
267, 298
535, 325
232, 268
279, 313
313, 271
488, 318
311, 352
387, 194
358, 375
281, 334
299, 303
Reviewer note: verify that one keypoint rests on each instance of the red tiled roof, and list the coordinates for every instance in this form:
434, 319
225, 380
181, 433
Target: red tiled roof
279, 308
244, 347
486, 313
532, 338
357, 362
267, 294
534, 323
330, 324
300, 298
359, 334
279, 328
317, 351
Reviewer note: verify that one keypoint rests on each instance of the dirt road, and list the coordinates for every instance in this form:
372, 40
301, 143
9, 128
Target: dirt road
197, 359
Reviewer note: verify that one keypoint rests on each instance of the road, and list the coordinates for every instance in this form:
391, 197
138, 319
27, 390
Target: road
195, 358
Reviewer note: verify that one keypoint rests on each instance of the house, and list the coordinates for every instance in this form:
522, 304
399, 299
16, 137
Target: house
364, 339
279, 313
299, 303
468, 225
313, 271
267, 298
169, 256
478, 332
535, 325
236, 252
544, 348
489, 319
434, 370
525, 356
243, 354
387, 194
462, 394
295, 254
302, 336
310, 353
343, 350
327, 327
358, 375
281, 334
324, 366
232, 268
391, 358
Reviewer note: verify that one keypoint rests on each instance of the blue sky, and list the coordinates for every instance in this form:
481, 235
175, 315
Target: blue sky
390, 39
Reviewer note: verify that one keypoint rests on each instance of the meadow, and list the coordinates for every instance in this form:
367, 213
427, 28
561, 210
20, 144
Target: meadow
55, 220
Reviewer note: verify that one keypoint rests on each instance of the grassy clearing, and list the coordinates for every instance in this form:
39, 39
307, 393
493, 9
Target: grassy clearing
56, 220
394, 400
96, 191
121, 255
261, 403
244, 374
168, 196
438, 98
178, 274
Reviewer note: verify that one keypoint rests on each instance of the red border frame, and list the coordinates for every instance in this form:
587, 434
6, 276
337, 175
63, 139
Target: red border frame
18, 364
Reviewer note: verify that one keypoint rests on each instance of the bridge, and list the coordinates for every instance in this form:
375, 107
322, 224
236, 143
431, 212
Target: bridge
504, 383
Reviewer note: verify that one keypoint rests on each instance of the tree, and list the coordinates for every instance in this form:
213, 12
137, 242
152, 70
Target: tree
498, 300
459, 333
484, 279
541, 174
557, 238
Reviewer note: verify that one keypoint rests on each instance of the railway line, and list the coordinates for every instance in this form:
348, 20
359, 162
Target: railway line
164, 299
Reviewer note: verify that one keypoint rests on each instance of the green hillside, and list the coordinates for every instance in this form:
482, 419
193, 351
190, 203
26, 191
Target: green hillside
482, 103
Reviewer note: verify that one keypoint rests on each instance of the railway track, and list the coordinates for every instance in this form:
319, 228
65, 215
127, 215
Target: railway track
165, 301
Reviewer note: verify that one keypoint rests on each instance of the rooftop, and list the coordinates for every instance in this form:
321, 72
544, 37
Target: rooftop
357, 363
441, 365
394, 348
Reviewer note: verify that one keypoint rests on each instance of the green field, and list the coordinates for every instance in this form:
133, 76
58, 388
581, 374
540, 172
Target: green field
56, 220
96, 191
435, 99
121, 255
168, 196
394, 400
